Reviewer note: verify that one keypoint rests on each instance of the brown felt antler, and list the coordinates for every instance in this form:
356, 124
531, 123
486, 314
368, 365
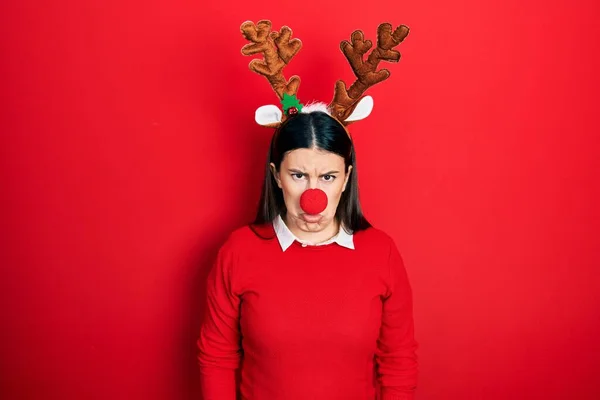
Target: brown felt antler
345, 99
277, 50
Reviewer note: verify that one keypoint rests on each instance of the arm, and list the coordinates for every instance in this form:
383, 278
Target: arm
395, 355
219, 342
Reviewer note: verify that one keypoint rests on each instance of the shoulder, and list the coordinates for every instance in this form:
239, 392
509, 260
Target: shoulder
375, 238
390, 256
248, 237
379, 245
244, 248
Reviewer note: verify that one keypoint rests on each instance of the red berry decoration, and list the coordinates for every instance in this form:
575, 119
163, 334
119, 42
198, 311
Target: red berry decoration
313, 201
292, 111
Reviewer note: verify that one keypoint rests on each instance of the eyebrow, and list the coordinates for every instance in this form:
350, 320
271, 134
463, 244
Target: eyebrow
293, 170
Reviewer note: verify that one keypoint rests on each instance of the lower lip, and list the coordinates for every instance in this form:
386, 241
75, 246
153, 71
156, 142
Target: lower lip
311, 218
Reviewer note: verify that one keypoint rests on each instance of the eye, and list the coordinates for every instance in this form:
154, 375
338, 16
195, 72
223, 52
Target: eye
329, 178
297, 176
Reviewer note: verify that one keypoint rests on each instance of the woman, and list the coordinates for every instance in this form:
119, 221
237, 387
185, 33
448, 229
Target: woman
309, 306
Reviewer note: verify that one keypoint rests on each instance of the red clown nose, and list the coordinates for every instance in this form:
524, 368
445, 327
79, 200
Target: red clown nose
313, 201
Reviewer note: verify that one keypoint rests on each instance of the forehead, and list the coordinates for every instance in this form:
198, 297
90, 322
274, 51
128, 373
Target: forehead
312, 159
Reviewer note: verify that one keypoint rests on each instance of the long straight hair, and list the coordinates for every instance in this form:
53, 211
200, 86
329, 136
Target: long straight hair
306, 131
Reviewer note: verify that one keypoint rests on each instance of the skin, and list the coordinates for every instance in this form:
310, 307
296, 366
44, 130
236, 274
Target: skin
303, 169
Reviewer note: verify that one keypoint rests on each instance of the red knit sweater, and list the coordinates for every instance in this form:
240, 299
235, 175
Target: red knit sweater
317, 322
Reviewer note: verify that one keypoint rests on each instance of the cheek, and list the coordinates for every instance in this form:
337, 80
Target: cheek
291, 191
334, 193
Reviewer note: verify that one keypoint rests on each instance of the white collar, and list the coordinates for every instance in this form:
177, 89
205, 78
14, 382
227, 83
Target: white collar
286, 237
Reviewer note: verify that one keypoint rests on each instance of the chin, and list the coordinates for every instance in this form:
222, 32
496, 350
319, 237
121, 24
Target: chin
312, 226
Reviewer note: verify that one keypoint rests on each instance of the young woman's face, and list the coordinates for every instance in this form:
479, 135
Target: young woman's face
303, 169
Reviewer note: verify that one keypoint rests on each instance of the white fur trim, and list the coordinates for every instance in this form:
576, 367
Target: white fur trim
315, 106
268, 115
362, 110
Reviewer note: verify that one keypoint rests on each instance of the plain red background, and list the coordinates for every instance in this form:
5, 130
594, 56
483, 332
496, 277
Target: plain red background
129, 151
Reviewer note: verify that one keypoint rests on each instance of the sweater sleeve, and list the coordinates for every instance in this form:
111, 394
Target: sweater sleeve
219, 345
395, 355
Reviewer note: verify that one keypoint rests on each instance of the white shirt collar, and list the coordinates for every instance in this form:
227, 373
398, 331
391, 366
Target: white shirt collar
286, 238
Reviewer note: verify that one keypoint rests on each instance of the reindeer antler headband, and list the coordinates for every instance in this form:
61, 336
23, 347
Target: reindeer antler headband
349, 104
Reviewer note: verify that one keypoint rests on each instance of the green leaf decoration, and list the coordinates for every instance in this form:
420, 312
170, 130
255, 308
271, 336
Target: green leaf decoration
290, 101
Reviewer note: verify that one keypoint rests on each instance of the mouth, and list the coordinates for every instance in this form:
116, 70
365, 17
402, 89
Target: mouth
311, 218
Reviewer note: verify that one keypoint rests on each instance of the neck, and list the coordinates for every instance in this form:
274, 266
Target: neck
313, 237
